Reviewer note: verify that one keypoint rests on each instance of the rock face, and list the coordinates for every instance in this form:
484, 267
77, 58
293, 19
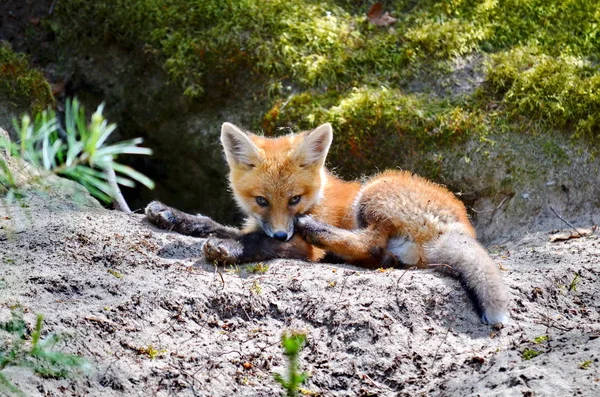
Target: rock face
152, 316
521, 185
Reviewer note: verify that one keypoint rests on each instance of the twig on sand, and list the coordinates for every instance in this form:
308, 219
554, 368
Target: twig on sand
551, 323
400, 278
566, 221
229, 352
493, 209
222, 279
442, 342
342, 290
398, 286
371, 381
217, 271
438, 265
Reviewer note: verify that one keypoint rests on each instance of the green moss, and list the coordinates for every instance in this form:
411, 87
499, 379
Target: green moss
374, 126
447, 39
324, 61
586, 364
325, 42
541, 339
304, 40
560, 91
21, 83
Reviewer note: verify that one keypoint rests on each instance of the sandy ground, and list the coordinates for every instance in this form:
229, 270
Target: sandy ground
117, 288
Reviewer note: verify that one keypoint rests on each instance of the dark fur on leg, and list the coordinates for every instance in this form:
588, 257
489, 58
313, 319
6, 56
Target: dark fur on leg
254, 247
169, 218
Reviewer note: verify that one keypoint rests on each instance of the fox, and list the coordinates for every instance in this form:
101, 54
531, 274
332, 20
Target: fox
296, 208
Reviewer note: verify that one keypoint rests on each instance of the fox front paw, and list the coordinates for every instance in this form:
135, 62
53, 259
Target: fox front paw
222, 251
169, 218
160, 215
311, 230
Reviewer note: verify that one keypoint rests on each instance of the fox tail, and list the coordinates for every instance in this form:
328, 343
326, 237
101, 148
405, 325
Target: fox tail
477, 272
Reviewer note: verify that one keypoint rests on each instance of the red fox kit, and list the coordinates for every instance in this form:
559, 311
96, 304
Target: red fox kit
295, 208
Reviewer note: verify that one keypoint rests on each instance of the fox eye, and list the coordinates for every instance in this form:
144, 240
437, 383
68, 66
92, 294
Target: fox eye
295, 200
260, 200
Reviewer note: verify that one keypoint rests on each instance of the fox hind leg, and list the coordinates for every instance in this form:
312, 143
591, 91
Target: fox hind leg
366, 247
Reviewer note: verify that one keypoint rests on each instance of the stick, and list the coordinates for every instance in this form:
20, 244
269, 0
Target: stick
118, 200
567, 222
442, 342
492, 210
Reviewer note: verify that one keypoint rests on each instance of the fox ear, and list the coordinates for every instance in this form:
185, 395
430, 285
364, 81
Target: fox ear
239, 149
315, 147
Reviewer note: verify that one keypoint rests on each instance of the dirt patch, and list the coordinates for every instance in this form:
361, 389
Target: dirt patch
124, 291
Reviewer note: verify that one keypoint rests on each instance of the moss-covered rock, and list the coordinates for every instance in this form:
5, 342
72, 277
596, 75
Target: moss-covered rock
412, 94
380, 127
21, 84
562, 92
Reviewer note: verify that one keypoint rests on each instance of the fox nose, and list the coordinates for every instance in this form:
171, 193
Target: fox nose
281, 236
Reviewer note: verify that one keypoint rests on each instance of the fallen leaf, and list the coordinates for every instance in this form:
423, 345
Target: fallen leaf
379, 18
570, 234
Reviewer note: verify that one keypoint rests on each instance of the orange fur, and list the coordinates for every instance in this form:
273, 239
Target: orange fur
392, 204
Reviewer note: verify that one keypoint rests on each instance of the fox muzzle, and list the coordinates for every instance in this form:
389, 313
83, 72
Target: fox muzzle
281, 235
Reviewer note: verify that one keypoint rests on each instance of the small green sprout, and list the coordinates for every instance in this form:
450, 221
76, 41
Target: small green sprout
541, 339
574, 282
256, 288
292, 343
151, 352
528, 354
586, 364
115, 273
18, 349
258, 268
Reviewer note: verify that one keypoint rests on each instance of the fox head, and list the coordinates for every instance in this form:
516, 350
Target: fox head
275, 179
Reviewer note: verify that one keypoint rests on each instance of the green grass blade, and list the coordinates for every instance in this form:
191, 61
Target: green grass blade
133, 174
122, 148
73, 152
106, 131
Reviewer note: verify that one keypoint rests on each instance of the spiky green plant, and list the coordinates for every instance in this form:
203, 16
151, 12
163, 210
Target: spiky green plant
78, 150
18, 349
292, 343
